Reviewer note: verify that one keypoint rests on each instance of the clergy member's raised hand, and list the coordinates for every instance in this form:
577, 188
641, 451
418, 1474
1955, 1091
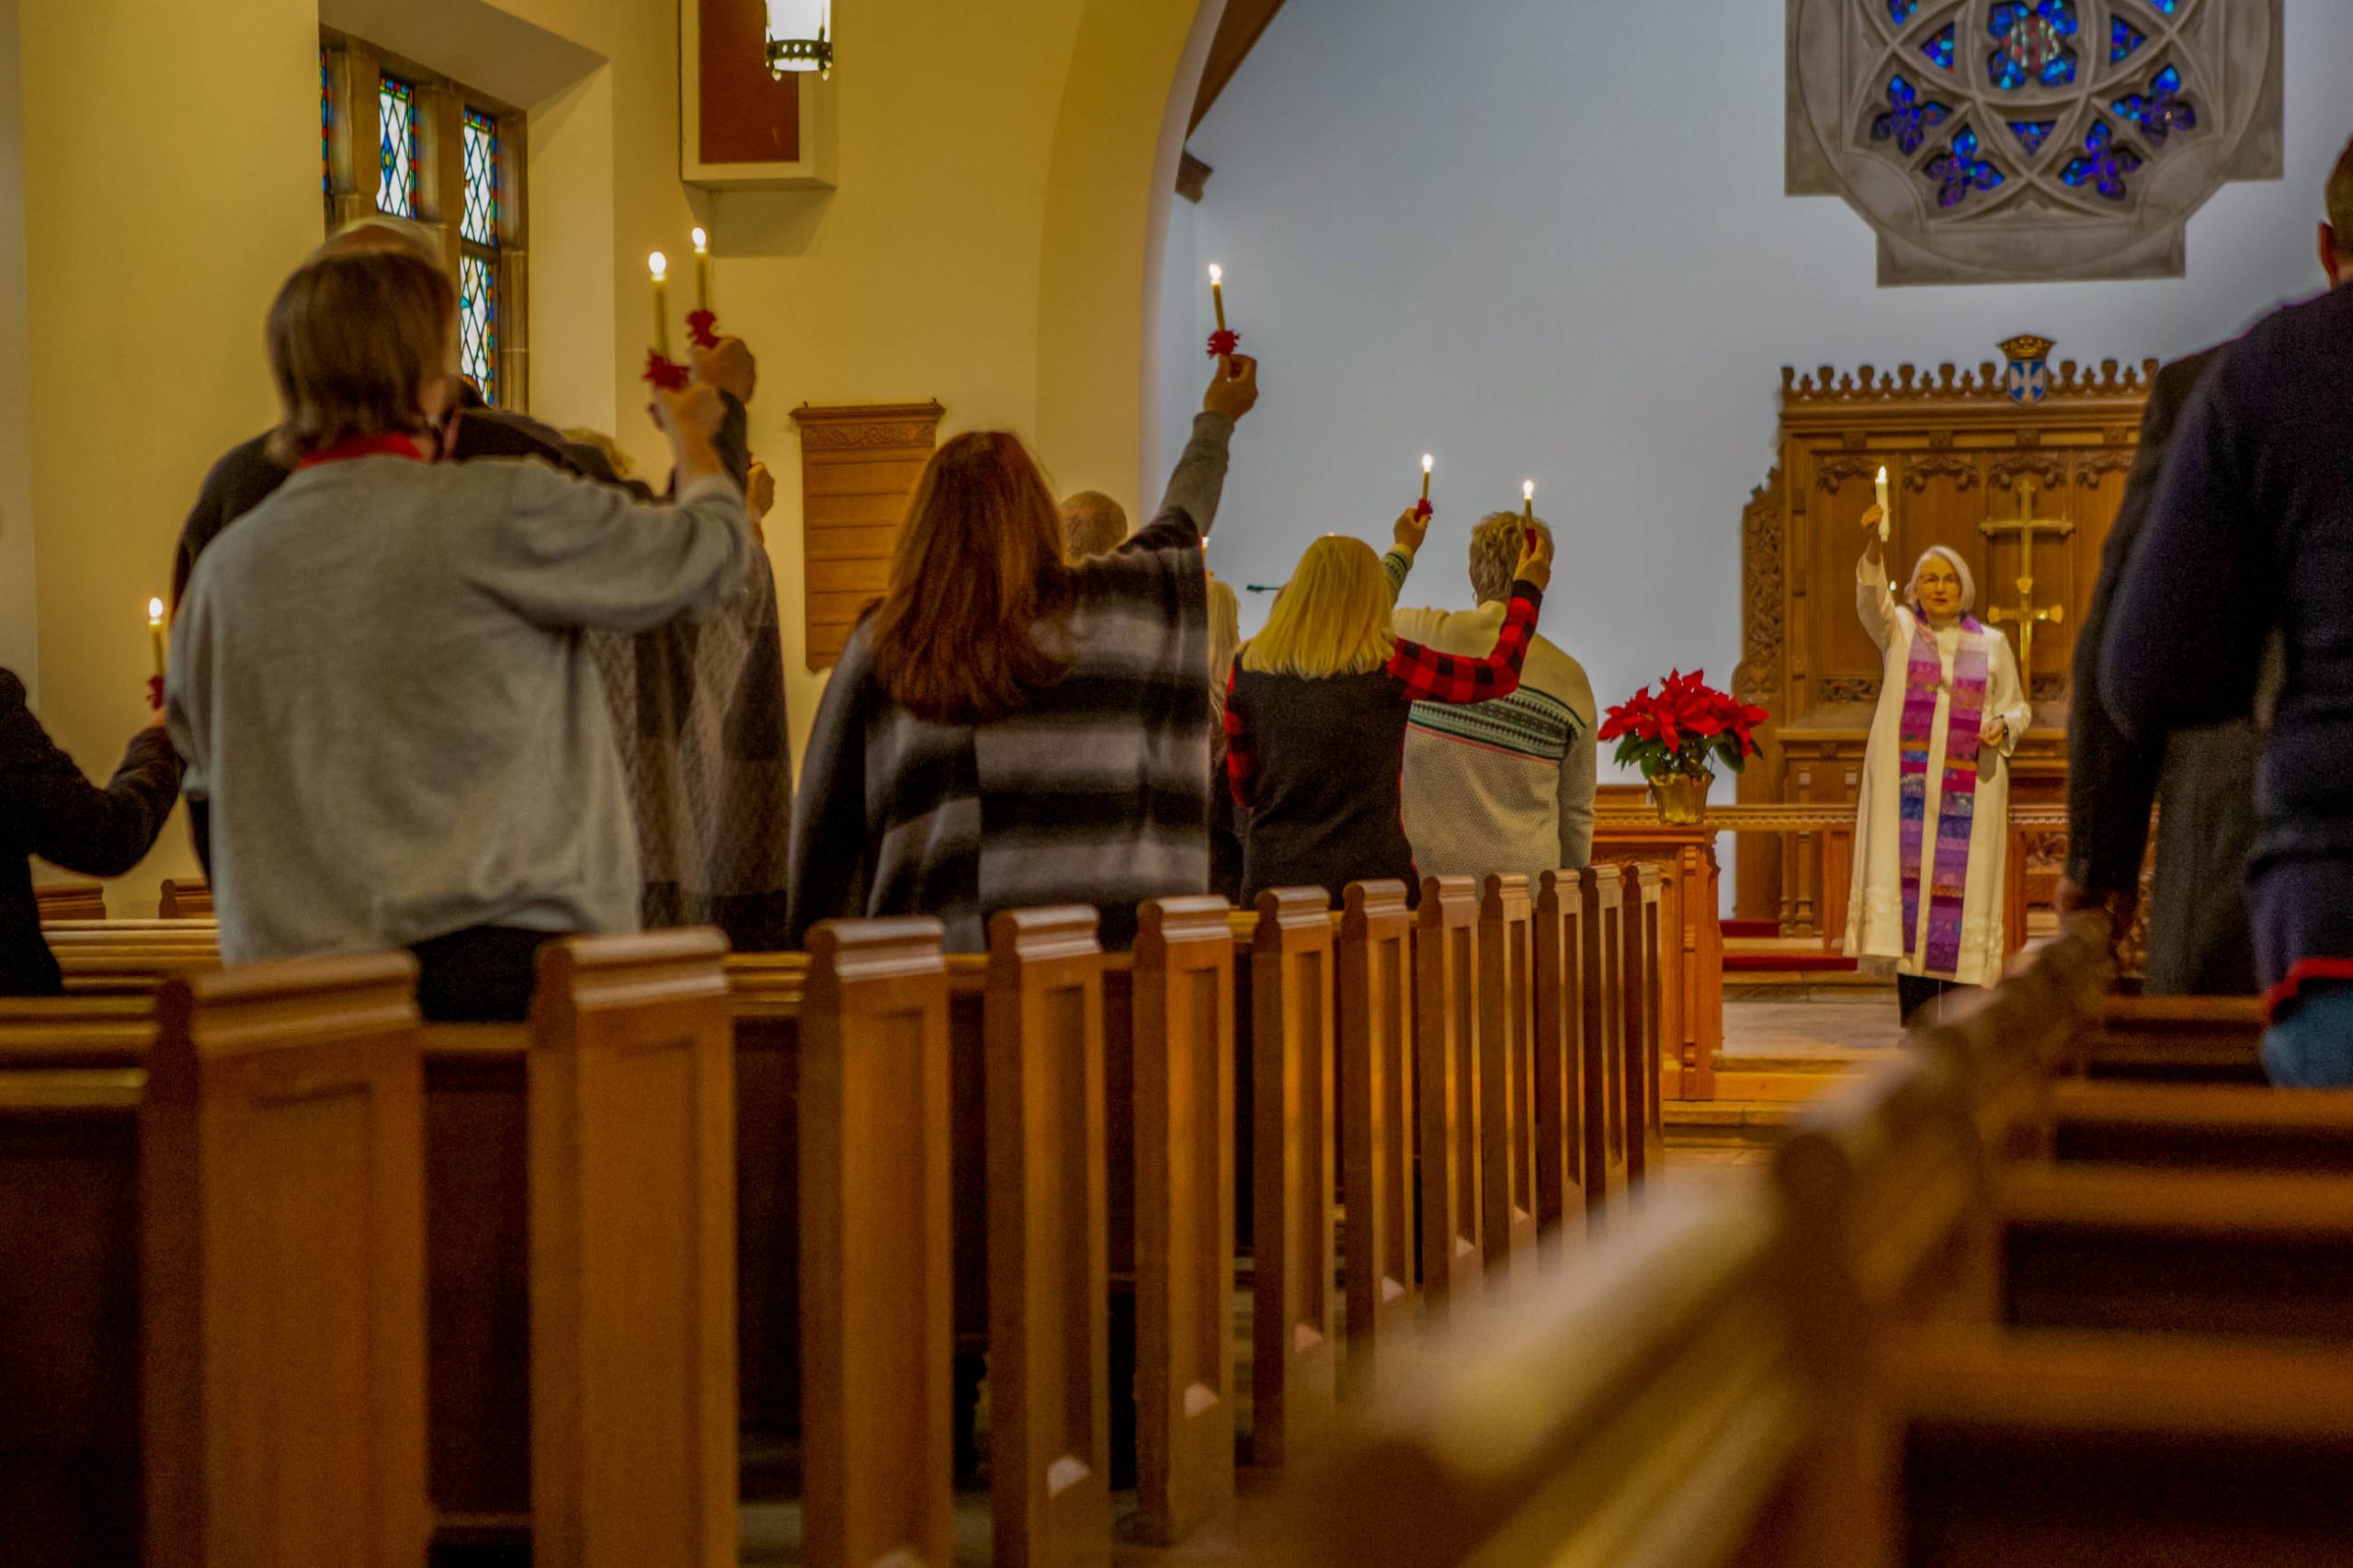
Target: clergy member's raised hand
1535, 560
1234, 387
1413, 526
1871, 515
728, 365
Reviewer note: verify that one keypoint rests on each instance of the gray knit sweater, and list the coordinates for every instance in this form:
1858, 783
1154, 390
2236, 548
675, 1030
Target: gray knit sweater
378, 681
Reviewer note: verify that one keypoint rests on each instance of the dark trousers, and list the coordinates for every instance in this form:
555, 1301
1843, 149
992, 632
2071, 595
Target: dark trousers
482, 975
1914, 992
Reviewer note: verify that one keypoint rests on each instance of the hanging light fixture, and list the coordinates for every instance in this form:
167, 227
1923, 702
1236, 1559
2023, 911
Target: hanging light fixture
800, 36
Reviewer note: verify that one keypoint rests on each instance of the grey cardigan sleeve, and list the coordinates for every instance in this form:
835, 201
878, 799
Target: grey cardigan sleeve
1199, 480
567, 551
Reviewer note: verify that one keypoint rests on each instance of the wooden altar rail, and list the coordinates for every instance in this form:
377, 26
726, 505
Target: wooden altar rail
1627, 829
1971, 1261
867, 1056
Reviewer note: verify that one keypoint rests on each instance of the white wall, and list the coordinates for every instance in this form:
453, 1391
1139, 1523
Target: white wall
1549, 240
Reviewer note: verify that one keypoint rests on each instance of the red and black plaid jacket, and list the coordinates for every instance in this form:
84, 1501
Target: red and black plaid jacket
1419, 674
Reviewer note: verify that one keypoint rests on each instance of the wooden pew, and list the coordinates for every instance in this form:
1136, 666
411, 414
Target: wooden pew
1447, 1097
185, 899
2173, 1038
235, 1187
1568, 1008
1641, 897
1047, 1221
1375, 1005
1605, 1162
1184, 1214
70, 901
1294, 1306
873, 1154
1648, 1407
1505, 996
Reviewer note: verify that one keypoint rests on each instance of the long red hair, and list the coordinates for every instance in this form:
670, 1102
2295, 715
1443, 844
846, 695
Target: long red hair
979, 563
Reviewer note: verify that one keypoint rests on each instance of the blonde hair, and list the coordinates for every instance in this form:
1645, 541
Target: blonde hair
1960, 570
1495, 549
1332, 617
1225, 637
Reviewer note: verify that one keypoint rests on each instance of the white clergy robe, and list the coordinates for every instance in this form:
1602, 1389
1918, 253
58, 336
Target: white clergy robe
1875, 904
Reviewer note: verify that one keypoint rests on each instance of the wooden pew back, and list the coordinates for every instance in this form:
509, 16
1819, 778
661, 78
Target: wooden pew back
1375, 1005
1507, 1002
1560, 933
1447, 1097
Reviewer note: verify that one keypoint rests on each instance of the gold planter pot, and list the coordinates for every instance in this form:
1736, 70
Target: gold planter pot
1681, 798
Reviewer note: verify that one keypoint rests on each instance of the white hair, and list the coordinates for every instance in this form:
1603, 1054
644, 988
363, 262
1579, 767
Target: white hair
1960, 570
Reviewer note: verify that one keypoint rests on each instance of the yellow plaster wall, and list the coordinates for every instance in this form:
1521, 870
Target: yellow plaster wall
988, 244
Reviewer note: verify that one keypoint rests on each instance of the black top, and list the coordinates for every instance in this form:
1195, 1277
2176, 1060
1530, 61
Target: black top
48, 809
2252, 530
2112, 777
1325, 810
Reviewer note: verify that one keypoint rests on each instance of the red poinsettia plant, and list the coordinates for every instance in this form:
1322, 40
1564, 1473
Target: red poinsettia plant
1686, 726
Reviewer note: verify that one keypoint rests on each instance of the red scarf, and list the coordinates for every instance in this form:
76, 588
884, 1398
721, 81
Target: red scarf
365, 447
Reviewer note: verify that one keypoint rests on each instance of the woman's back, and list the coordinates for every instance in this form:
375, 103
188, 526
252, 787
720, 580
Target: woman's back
1324, 802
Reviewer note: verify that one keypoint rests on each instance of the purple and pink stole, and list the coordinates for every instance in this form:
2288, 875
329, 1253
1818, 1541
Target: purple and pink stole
1957, 812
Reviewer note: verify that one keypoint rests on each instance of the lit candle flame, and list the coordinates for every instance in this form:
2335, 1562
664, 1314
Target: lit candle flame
659, 264
1217, 273
702, 241
1527, 490
155, 612
1425, 462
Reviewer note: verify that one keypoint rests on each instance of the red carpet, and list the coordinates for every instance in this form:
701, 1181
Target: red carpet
1788, 963
1752, 929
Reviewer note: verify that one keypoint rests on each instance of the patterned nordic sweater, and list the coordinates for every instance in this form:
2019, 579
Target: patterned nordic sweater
1095, 791
1502, 786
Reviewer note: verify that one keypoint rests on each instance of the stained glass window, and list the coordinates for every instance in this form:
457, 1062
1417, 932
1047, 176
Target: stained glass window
2104, 164
2032, 133
1959, 171
478, 324
2162, 110
1938, 48
2031, 43
481, 223
1908, 118
396, 147
1900, 11
326, 127
2123, 38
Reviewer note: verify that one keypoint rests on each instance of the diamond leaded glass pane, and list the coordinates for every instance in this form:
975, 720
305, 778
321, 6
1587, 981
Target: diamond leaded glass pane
481, 223
478, 324
396, 147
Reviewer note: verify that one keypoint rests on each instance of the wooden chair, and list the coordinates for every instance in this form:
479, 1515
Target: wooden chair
212, 1272
1048, 1289
1561, 988
1374, 1003
1445, 1097
1184, 1214
1294, 1307
878, 1318
1506, 997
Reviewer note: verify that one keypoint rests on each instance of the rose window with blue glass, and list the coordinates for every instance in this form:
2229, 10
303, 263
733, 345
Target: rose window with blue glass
2010, 140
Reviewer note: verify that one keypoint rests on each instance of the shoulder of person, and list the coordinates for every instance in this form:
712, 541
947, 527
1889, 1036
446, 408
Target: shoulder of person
1567, 671
497, 433
244, 465
12, 693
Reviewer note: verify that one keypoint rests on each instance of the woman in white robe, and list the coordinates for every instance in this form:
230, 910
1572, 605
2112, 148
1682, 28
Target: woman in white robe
1937, 601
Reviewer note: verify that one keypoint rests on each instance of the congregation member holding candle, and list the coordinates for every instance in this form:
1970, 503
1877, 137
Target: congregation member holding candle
1064, 704
355, 805
1505, 784
49, 809
1315, 716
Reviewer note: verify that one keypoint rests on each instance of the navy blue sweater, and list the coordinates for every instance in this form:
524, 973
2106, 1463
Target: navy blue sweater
2252, 529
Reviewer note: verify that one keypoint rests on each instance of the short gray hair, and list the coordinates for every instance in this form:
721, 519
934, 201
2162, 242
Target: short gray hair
1959, 569
1093, 524
1496, 547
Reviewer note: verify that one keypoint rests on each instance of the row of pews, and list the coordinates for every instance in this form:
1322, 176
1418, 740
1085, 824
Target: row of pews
2065, 1285
278, 1263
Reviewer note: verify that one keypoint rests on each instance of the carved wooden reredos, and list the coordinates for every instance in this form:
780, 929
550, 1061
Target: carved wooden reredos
1960, 452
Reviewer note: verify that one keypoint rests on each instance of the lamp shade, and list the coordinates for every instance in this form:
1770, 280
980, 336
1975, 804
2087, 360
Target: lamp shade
800, 36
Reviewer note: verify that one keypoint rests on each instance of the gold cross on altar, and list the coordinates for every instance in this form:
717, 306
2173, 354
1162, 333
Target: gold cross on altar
2026, 526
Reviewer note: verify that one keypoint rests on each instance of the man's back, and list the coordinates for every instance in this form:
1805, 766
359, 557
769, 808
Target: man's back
1501, 786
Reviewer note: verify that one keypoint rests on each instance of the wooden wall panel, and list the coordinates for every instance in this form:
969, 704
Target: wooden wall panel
859, 465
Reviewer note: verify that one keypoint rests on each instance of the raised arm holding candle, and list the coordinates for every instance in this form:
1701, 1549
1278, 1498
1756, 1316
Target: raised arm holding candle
1423, 511
1879, 489
661, 370
702, 322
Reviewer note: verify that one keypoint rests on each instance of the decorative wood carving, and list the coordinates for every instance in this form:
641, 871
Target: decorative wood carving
859, 466
1962, 471
1955, 444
